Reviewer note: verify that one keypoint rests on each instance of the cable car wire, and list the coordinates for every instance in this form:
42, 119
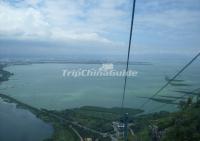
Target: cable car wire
173, 78
128, 55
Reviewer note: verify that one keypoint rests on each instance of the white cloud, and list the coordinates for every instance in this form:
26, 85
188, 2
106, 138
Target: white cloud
102, 22
22, 23
62, 20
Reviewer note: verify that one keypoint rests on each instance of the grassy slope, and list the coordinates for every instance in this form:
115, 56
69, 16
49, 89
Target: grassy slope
183, 125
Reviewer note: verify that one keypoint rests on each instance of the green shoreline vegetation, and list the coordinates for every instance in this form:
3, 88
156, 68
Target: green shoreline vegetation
4, 75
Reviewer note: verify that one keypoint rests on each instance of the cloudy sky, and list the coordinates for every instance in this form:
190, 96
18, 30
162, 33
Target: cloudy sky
98, 26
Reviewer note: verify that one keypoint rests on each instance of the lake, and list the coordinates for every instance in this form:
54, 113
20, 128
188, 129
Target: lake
21, 125
43, 86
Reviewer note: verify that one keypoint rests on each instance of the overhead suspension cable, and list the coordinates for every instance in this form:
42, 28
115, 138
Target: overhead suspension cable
179, 98
125, 79
128, 55
173, 78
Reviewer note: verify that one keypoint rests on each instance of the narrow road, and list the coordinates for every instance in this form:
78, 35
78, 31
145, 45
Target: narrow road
77, 133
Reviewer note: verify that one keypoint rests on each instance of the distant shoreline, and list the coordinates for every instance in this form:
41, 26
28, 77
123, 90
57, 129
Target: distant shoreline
73, 62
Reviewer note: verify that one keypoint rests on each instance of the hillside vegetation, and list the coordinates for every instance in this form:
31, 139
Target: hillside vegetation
183, 125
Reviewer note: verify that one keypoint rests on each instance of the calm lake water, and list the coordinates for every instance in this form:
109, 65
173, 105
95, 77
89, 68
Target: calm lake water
21, 125
43, 86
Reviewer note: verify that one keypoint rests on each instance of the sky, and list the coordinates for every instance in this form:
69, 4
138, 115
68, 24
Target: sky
58, 27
